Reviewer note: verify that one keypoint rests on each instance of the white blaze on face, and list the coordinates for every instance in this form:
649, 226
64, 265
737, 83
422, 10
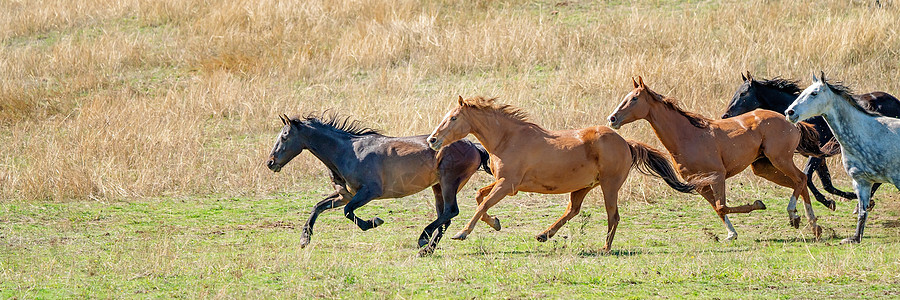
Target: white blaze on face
621, 104
444, 119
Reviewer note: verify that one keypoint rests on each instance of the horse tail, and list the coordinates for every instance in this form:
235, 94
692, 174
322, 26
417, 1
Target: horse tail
485, 158
809, 142
653, 162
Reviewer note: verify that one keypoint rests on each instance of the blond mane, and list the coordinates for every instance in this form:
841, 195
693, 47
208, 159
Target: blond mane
490, 104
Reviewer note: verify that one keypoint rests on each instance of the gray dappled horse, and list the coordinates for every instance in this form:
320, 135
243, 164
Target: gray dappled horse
367, 165
870, 142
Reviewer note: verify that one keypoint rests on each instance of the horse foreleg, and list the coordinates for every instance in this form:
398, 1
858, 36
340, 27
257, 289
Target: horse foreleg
814, 165
334, 200
863, 191
825, 177
362, 197
715, 195
499, 190
494, 222
576, 198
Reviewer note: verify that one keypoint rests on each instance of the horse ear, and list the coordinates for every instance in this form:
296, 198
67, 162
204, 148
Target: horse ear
634, 82
287, 120
814, 79
822, 75
749, 77
461, 103
283, 121
641, 81
743, 78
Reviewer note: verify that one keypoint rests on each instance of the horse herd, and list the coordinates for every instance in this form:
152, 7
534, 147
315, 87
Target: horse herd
820, 121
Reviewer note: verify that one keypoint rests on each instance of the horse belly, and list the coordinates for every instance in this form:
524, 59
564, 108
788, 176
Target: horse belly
559, 180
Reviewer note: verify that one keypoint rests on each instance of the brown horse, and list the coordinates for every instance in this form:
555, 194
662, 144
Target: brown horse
526, 157
762, 139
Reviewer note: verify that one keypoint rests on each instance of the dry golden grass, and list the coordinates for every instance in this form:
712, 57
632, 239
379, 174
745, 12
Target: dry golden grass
117, 99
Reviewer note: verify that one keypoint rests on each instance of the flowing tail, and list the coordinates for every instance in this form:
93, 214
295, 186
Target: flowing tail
809, 142
653, 162
485, 158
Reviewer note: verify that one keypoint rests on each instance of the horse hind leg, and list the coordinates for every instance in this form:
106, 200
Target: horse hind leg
782, 171
576, 198
764, 168
610, 189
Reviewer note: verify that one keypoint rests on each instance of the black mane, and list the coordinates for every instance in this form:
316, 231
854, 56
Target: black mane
340, 123
847, 94
781, 84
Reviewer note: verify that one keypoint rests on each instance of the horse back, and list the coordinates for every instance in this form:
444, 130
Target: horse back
880, 102
406, 165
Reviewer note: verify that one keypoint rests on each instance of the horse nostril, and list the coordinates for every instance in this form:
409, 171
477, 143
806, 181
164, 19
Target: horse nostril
431, 140
790, 112
270, 163
725, 116
612, 118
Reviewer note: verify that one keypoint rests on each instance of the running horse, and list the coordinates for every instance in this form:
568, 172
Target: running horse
367, 165
762, 139
526, 157
870, 142
778, 93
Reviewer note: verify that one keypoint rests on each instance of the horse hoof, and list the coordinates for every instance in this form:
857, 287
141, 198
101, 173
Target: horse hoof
496, 224
541, 238
850, 240
759, 204
426, 251
730, 237
795, 222
423, 242
817, 231
831, 205
460, 236
377, 222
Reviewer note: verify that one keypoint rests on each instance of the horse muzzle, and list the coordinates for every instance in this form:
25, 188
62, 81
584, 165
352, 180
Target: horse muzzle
434, 143
275, 167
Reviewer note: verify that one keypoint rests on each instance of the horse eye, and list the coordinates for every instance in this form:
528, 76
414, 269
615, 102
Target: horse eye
633, 98
814, 93
453, 118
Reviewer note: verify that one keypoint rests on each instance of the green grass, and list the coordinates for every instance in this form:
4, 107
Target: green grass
248, 248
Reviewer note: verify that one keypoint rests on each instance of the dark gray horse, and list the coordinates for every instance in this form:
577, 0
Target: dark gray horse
776, 94
870, 142
366, 165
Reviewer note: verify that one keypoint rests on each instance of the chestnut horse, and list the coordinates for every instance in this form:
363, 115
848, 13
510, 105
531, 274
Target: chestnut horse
526, 157
763, 139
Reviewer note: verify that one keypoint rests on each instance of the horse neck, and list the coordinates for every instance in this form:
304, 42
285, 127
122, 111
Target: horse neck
329, 145
775, 100
848, 123
670, 127
494, 129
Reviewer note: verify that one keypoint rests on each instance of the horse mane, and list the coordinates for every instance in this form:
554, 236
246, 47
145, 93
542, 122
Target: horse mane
785, 85
697, 120
336, 122
846, 93
490, 104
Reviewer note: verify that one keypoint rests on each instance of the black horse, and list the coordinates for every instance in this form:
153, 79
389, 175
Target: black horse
777, 94
367, 165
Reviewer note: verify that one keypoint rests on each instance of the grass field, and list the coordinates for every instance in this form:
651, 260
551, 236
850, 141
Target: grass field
133, 135
226, 247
